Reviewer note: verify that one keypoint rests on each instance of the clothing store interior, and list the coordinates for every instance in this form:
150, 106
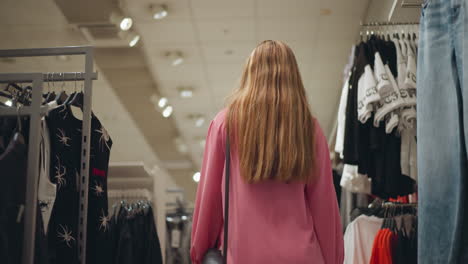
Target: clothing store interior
105, 106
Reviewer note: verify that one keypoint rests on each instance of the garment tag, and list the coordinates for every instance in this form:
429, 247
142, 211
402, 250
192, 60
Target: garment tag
20, 214
175, 235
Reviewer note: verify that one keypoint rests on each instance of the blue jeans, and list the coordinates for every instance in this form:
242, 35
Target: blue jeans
442, 129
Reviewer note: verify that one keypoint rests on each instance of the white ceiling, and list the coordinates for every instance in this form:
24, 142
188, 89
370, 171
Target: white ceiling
320, 32
39, 24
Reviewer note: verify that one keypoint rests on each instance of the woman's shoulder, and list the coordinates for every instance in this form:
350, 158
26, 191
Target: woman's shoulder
220, 118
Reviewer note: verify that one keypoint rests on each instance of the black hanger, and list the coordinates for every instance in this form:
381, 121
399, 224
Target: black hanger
61, 97
77, 100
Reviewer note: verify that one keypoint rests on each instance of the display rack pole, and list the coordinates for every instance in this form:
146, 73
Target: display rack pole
89, 75
34, 113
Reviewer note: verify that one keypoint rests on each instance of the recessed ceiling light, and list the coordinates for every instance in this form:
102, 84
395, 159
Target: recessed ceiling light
167, 111
199, 121
177, 61
185, 92
162, 102
134, 38
124, 23
196, 176
175, 57
9, 103
159, 11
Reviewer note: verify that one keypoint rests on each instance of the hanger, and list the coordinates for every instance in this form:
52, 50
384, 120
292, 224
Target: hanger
50, 95
78, 99
72, 95
62, 97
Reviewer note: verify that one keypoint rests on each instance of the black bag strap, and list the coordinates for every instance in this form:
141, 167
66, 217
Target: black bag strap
226, 198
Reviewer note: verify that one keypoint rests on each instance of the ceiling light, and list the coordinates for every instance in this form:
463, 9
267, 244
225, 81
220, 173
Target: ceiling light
185, 92
134, 40
167, 111
175, 58
162, 102
124, 23
196, 176
159, 11
199, 121
184, 217
9, 103
177, 61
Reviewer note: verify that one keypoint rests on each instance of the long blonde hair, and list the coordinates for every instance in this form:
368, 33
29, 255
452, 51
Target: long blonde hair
269, 118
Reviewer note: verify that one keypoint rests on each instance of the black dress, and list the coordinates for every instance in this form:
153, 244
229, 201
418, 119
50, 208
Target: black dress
65, 133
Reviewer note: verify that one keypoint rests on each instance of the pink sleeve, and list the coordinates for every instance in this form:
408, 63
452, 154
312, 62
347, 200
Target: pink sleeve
323, 203
208, 214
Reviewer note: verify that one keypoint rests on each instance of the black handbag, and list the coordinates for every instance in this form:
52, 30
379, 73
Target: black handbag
214, 255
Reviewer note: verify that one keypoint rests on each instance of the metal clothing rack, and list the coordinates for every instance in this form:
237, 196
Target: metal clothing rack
34, 111
380, 24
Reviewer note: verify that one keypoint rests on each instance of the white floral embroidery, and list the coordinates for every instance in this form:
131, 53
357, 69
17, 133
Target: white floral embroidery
104, 222
98, 189
62, 137
60, 172
66, 235
104, 138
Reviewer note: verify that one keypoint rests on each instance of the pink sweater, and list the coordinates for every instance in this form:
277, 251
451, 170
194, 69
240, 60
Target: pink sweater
269, 222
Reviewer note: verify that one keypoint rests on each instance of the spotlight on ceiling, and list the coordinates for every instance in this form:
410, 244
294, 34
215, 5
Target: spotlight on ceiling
185, 92
175, 57
130, 37
199, 121
196, 176
162, 102
159, 11
123, 22
134, 38
167, 111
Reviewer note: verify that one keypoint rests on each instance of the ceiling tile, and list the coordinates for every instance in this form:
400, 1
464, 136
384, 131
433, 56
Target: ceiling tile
226, 30
223, 78
229, 52
287, 29
356, 8
222, 8
289, 8
178, 32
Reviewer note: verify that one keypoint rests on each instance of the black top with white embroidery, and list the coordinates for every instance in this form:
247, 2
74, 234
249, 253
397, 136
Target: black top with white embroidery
66, 136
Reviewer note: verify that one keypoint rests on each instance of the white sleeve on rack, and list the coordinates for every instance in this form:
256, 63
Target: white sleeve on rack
340, 134
367, 94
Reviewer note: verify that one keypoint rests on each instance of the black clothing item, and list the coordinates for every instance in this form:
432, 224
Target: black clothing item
134, 238
376, 153
13, 165
66, 136
336, 183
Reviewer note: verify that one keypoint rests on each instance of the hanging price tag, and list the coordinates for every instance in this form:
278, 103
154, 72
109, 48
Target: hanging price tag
175, 238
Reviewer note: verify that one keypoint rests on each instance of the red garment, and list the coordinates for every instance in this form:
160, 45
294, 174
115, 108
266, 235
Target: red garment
382, 250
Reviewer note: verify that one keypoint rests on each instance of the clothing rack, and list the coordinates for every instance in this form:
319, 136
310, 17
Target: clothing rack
35, 111
384, 23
